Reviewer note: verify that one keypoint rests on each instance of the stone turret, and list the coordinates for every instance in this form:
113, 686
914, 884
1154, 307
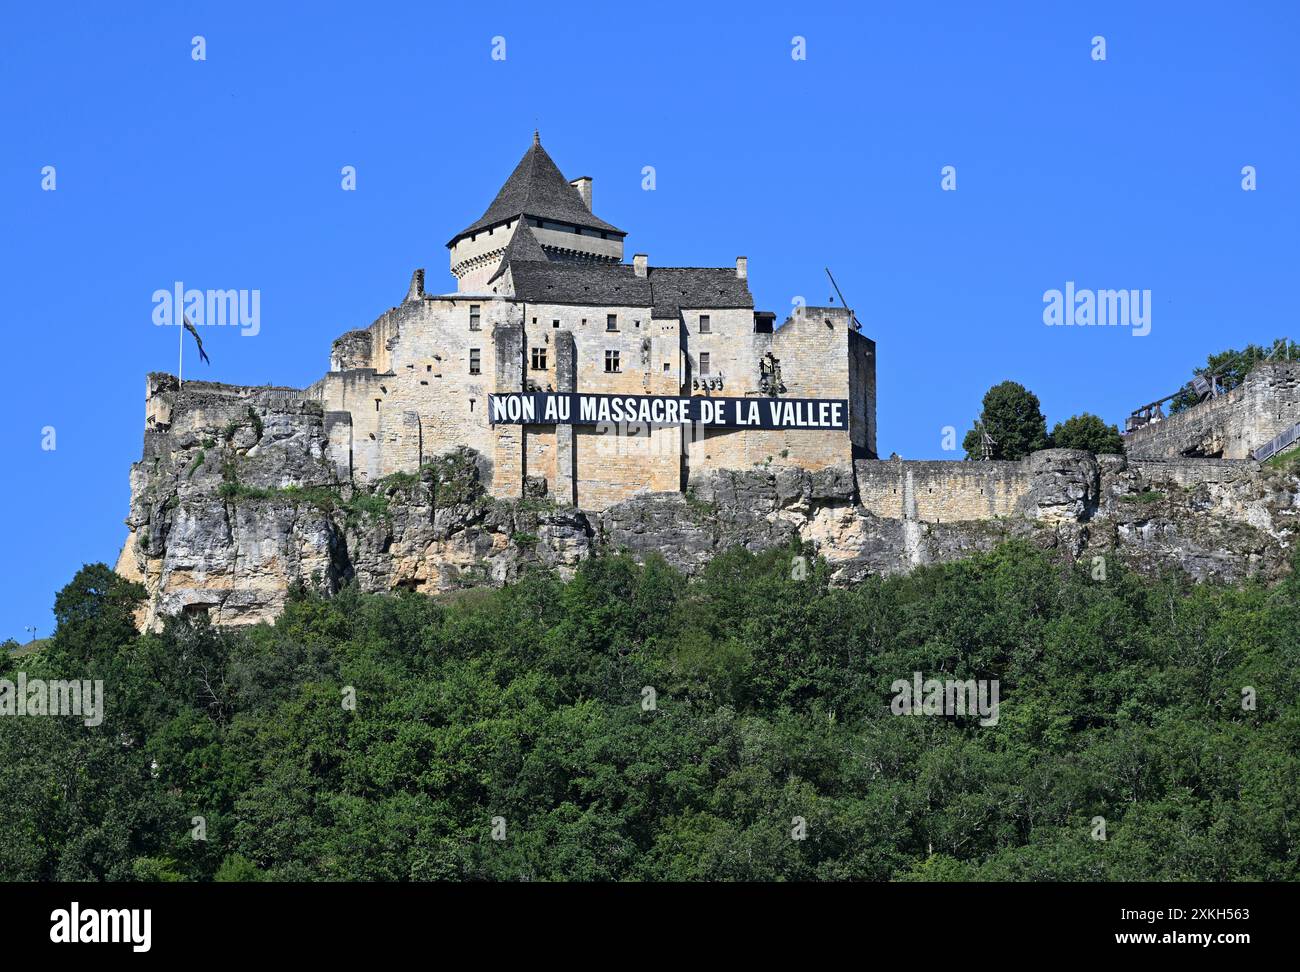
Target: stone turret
557, 210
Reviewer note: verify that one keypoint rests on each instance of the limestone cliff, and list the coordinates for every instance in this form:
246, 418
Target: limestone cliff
235, 501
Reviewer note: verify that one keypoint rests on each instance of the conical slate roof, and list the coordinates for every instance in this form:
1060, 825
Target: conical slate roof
537, 188
523, 247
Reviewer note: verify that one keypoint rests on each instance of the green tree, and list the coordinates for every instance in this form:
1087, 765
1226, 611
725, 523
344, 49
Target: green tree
1013, 418
95, 614
1087, 431
1120, 698
237, 869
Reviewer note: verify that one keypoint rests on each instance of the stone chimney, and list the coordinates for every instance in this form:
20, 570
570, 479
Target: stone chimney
742, 268
639, 263
583, 185
416, 290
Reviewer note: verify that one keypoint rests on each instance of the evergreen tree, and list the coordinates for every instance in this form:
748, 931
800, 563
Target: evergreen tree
1013, 418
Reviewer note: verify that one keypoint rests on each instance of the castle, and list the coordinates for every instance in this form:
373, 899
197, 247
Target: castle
584, 378
562, 401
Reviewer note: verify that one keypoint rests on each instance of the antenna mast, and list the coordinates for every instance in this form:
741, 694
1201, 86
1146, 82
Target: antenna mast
857, 325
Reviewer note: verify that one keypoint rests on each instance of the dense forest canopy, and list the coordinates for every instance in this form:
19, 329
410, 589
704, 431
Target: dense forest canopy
1121, 698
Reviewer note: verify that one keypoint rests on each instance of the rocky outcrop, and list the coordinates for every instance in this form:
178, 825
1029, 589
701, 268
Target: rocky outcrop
1211, 518
235, 507
1063, 486
235, 502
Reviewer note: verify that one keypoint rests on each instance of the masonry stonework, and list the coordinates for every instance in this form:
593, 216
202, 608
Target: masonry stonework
941, 491
544, 303
389, 471
1230, 426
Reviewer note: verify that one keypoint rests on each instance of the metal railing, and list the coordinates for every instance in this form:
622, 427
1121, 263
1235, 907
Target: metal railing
1277, 443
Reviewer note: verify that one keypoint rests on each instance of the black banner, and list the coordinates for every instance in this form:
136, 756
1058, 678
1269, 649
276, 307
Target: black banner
167, 922
576, 408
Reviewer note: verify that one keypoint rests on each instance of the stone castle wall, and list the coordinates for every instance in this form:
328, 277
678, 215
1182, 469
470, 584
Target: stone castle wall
230, 509
1230, 426
415, 384
803, 347
941, 491
609, 461
1188, 473
411, 392
198, 548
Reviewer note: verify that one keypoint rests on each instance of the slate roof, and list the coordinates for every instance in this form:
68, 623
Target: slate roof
667, 290
537, 188
691, 287
523, 247
562, 282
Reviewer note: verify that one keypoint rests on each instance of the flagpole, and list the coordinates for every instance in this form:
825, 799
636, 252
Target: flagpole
180, 352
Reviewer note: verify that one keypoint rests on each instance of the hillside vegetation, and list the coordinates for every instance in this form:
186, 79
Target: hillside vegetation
1121, 698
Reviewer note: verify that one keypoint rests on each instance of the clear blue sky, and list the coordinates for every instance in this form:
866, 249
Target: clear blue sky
225, 174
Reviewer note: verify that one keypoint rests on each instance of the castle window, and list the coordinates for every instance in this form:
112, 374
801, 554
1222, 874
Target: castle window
706, 327
377, 404
704, 362
555, 323
428, 367
474, 317
611, 322
473, 361
665, 367
611, 361
539, 359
